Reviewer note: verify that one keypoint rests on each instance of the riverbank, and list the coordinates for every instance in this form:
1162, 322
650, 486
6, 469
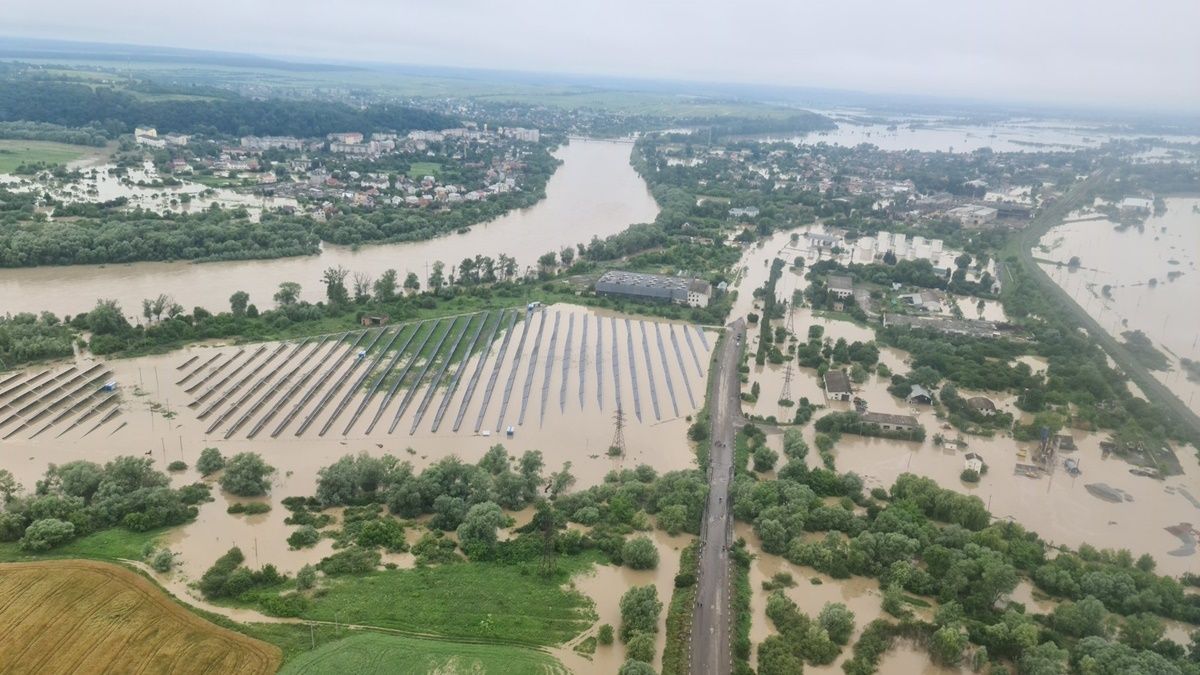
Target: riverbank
595, 192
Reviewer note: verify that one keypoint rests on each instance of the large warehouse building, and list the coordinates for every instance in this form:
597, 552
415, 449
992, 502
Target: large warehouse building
680, 290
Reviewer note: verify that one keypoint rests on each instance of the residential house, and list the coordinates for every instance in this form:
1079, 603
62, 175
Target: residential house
973, 462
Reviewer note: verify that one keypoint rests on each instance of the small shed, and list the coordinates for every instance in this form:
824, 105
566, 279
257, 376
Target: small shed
371, 320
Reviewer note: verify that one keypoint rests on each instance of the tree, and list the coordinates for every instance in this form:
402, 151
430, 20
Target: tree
437, 278
238, 302
385, 286
546, 263
247, 475
946, 645
304, 537
567, 255
641, 648
776, 657
288, 294
362, 288
640, 608
334, 279
9, 487
106, 318
1080, 619
605, 635
163, 561
1048, 659
412, 283
765, 458
45, 534
1141, 631
477, 533
210, 461
639, 553
635, 667
838, 621
306, 578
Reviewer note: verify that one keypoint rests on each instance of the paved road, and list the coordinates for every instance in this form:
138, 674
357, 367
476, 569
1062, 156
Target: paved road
712, 645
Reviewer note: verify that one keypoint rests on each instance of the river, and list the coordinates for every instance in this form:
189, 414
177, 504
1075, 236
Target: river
1165, 249
594, 192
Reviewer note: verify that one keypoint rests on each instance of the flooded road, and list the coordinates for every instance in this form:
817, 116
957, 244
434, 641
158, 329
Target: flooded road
594, 192
1167, 251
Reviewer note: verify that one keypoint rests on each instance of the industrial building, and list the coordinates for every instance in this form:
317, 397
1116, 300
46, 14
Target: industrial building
679, 290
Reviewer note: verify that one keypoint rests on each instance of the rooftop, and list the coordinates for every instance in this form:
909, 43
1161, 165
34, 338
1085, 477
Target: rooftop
837, 382
840, 282
887, 418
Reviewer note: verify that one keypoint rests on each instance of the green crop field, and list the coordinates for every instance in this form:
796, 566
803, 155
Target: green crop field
13, 153
375, 653
476, 601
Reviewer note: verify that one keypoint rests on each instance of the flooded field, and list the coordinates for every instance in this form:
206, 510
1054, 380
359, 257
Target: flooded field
932, 134
421, 391
605, 584
137, 186
594, 192
1150, 274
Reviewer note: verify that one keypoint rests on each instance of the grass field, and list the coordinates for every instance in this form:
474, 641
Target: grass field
377, 654
113, 544
77, 616
477, 601
419, 170
13, 153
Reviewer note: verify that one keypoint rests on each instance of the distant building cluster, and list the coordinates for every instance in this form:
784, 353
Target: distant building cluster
679, 290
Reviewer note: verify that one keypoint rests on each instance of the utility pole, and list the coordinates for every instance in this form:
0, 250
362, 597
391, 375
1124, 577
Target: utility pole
617, 447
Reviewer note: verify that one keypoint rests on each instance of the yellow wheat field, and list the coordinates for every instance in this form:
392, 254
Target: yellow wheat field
78, 616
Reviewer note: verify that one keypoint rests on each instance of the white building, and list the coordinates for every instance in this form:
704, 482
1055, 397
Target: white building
973, 462
973, 215
1136, 205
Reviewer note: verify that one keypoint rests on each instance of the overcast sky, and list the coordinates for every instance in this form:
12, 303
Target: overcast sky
1129, 53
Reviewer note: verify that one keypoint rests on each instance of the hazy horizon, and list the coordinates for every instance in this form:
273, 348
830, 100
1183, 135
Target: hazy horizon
1115, 54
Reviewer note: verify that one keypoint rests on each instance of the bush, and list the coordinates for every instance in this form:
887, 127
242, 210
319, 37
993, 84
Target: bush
639, 553
250, 509
247, 475
641, 648
635, 667
45, 534
163, 561
304, 537
354, 560
210, 461
605, 635
177, 465
306, 578
969, 476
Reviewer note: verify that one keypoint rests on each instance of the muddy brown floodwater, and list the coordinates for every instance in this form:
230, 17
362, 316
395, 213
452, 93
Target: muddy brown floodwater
1166, 250
594, 192
153, 416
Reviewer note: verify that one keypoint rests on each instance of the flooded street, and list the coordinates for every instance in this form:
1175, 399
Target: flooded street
594, 192
1151, 274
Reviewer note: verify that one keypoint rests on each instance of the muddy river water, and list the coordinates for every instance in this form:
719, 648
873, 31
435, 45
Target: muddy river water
594, 192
